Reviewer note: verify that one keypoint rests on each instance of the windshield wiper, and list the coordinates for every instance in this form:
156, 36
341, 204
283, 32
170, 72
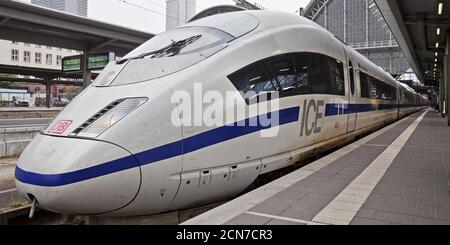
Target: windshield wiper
170, 50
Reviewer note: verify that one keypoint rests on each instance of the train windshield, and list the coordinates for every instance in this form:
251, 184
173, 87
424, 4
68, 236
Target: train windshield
165, 54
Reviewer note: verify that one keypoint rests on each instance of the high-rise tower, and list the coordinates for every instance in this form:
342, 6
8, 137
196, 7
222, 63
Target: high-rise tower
179, 12
78, 7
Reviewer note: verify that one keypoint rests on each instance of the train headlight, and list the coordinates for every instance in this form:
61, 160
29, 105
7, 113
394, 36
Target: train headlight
108, 116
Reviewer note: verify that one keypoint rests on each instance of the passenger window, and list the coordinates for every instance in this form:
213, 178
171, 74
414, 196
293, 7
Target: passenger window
325, 74
291, 75
363, 78
302, 75
318, 73
253, 78
373, 88
283, 71
337, 76
352, 78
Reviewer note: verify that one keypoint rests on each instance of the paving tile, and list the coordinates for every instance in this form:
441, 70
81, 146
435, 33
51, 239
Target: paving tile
374, 201
388, 207
316, 178
443, 213
365, 213
424, 221
422, 212
283, 222
310, 183
321, 174
442, 222
301, 213
364, 221
429, 197
442, 193
388, 191
441, 201
247, 219
412, 202
390, 184
407, 189
302, 189
273, 209
331, 189
287, 195
395, 218
442, 186
422, 203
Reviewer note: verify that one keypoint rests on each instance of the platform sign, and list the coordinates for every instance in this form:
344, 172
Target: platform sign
72, 63
100, 60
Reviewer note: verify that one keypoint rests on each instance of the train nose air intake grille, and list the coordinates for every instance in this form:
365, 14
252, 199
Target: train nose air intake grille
107, 117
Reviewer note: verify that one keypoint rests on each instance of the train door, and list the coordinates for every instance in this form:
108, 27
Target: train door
352, 101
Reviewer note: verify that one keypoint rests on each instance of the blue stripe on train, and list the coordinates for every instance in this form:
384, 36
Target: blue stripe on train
164, 152
190, 144
343, 109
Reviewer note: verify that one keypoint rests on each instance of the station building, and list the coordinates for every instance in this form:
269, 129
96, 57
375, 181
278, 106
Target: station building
360, 25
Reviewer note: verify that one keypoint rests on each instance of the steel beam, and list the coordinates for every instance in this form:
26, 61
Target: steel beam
31, 14
42, 39
314, 8
32, 24
394, 18
428, 21
101, 45
422, 33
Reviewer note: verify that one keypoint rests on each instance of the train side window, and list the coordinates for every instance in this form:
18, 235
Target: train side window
325, 74
291, 75
337, 76
254, 79
364, 80
302, 67
385, 91
373, 88
318, 74
285, 75
352, 78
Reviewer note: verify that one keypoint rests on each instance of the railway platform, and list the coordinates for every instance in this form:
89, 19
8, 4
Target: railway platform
397, 175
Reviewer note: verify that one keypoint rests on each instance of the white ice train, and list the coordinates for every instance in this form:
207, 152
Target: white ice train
114, 150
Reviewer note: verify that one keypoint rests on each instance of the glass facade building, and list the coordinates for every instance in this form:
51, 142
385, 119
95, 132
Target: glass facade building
78, 7
360, 25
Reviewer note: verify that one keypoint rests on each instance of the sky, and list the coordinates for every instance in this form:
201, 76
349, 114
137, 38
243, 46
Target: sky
149, 15
152, 18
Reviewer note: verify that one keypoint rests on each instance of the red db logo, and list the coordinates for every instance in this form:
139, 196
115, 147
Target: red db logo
60, 126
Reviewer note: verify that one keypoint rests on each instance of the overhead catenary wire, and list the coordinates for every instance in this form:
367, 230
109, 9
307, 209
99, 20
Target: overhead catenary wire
161, 6
157, 5
148, 9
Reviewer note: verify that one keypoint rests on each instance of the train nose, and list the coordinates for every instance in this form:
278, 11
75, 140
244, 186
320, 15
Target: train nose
77, 176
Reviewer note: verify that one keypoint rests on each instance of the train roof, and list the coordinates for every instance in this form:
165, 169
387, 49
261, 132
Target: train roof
244, 22
407, 87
